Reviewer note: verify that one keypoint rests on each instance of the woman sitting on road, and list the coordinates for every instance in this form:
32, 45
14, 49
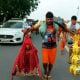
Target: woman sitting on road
26, 62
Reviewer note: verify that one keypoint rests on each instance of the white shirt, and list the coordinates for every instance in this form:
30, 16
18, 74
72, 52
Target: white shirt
77, 26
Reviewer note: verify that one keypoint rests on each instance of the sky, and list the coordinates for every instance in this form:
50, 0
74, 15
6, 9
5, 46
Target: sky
63, 8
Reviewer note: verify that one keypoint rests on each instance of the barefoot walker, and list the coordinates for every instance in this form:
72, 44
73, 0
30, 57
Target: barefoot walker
48, 31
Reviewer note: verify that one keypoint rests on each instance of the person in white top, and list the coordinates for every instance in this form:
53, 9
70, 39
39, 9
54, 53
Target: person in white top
73, 26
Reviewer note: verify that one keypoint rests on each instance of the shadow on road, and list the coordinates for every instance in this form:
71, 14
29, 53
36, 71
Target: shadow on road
28, 78
8, 44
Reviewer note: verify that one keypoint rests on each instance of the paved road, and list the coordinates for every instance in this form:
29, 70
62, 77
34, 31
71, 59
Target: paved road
8, 53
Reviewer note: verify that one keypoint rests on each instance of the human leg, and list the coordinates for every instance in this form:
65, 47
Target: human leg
45, 61
52, 56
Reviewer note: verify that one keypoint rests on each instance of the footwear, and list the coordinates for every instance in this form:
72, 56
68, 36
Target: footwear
49, 77
37, 74
45, 76
28, 74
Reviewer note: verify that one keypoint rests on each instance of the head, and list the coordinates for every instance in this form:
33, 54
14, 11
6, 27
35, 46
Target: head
27, 47
49, 18
73, 20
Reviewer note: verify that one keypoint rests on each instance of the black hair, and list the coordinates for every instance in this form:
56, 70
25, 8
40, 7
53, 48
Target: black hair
74, 18
49, 15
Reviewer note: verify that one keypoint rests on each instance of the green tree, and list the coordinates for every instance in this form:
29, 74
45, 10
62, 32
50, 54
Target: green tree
17, 8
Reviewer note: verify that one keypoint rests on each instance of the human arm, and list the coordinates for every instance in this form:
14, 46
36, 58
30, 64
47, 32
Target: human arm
33, 28
64, 26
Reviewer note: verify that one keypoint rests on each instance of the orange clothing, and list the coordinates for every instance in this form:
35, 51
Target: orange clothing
62, 45
48, 55
62, 40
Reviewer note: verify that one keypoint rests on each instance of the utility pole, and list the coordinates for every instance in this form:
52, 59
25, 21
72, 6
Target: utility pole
77, 11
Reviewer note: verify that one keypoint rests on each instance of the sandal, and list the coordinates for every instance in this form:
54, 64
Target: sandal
49, 77
44, 77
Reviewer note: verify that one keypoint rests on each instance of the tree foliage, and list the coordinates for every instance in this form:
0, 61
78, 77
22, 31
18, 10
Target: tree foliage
17, 8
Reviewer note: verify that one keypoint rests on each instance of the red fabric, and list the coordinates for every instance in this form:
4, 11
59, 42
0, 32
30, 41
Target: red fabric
26, 61
51, 28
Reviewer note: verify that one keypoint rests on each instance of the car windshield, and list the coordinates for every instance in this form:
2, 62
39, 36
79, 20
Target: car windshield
13, 25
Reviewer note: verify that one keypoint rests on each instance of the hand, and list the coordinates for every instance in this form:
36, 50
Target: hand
75, 32
26, 30
72, 32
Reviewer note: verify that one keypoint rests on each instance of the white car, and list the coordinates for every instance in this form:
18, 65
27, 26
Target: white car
0, 26
12, 31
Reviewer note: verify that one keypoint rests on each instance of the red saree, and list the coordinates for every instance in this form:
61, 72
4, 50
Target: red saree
26, 61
